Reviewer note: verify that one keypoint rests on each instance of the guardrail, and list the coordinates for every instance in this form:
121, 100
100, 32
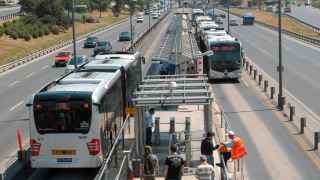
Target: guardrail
310, 40
315, 28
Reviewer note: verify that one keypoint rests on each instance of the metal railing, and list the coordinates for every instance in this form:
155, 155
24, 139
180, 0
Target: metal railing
110, 168
238, 165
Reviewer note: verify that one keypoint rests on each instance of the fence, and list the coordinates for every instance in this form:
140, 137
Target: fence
122, 147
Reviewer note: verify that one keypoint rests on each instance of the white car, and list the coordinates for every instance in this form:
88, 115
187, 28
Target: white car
233, 22
154, 15
81, 60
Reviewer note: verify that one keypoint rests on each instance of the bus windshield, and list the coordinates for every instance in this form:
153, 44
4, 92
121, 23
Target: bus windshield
62, 117
226, 52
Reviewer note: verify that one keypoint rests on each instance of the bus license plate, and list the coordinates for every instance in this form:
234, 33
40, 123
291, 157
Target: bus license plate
61, 152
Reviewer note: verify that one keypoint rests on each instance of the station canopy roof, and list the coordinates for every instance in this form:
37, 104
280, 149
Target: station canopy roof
164, 90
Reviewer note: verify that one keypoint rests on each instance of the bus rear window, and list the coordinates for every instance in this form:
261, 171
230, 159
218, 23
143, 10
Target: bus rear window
62, 117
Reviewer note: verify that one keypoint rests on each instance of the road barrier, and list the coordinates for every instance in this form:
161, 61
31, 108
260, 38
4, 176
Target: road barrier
315, 28
293, 109
310, 40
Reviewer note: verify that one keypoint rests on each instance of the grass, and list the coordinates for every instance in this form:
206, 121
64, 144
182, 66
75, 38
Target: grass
272, 19
11, 50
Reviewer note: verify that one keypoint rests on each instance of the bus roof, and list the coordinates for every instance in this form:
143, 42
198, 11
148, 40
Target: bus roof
195, 11
222, 39
118, 55
95, 77
248, 14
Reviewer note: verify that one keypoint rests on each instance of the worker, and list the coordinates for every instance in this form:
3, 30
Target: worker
238, 149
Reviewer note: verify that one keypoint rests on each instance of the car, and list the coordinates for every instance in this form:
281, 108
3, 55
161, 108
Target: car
62, 58
146, 11
154, 15
222, 15
287, 10
90, 42
80, 60
219, 20
124, 36
102, 47
139, 17
233, 22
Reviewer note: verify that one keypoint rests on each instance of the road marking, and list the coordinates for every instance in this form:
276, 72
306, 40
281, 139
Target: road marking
15, 106
45, 67
29, 75
13, 83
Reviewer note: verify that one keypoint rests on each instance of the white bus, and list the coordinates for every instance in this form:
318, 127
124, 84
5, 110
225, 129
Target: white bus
227, 59
74, 120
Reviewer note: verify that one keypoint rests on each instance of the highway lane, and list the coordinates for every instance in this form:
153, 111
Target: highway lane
5, 11
307, 14
17, 86
273, 153
301, 61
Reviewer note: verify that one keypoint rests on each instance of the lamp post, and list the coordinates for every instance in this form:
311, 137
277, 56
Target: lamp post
228, 16
74, 37
131, 13
280, 67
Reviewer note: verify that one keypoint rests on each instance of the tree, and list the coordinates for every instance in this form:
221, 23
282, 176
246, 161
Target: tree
29, 6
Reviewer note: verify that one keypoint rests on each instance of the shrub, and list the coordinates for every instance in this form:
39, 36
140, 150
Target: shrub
46, 30
90, 19
27, 37
55, 29
35, 34
1, 31
14, 35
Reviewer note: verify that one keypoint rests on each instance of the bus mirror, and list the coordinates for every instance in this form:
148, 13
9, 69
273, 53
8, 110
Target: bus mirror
208, 53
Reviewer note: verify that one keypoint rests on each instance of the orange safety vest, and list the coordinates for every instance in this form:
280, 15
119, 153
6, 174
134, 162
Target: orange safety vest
238, 150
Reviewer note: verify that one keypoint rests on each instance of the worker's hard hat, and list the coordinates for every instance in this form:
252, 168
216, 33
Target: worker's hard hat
231, 133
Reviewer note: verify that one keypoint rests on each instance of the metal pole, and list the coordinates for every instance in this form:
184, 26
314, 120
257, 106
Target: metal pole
149, 15
228, 17
131, 30
280, 68
74, 38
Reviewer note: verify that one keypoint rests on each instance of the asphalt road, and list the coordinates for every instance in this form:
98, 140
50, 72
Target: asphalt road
300, 60
20, 83
4, 11
307, 14
273, 153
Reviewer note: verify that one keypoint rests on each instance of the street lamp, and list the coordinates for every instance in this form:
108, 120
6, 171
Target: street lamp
132, 4
228, 17
280, 67
74, 37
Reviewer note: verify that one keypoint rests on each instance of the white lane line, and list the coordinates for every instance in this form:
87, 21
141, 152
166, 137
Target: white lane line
29, 75
45, 67
15, 106
13, 83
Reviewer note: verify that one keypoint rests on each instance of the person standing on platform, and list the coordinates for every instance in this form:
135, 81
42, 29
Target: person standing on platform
151, 164
174, 165
204, 171
207, 148
148, 124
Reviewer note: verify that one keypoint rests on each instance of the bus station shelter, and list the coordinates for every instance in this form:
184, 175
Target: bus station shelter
171, 90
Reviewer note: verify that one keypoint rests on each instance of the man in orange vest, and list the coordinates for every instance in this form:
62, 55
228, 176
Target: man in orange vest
238, 149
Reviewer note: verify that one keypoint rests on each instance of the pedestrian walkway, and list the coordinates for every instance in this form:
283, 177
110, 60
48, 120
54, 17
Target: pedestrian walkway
196, 114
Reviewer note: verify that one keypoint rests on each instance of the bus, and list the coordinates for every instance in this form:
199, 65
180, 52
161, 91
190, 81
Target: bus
248, 19
195, 14
227, 59
74, 120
